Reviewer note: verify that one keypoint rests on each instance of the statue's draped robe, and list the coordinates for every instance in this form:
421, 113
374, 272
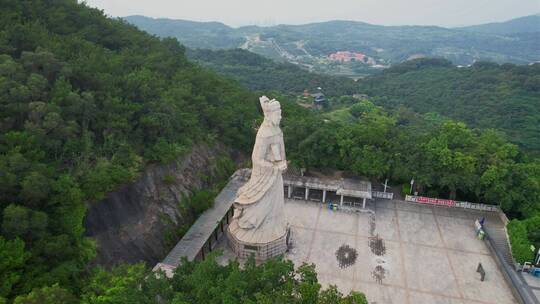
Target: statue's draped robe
259, 215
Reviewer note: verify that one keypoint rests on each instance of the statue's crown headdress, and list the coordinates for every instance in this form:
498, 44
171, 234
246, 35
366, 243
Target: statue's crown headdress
269, 105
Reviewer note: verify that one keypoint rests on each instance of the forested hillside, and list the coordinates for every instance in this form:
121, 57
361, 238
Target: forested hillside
484, 95
85, 103
259, 73
205, 35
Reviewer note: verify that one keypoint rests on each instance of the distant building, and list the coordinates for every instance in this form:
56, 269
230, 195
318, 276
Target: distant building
319, 100
346, 56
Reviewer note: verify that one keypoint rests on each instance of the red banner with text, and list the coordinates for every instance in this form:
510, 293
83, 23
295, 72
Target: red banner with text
429, 200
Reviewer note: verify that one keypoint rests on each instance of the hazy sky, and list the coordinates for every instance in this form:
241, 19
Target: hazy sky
272, 12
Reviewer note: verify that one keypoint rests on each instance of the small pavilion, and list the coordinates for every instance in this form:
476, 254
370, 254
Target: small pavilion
323, 189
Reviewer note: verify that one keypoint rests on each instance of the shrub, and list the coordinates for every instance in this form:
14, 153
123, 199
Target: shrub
201, 200
169, 179
406, 189
517, 231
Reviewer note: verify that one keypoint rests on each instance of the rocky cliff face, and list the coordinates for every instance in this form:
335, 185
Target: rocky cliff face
130, 223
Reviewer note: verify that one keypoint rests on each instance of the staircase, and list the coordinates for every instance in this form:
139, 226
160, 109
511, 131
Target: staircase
499, 240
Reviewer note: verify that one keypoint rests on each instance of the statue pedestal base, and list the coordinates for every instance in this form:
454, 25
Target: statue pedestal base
261, 251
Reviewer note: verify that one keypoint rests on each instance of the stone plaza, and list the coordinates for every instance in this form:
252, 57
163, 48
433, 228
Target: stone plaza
430, 253
425, 253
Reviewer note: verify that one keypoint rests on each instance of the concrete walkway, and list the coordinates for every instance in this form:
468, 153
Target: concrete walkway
206, 229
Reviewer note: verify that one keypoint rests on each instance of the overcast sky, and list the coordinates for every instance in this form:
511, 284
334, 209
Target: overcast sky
272, 12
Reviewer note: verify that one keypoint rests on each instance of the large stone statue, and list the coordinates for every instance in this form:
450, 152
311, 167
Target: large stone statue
258, 226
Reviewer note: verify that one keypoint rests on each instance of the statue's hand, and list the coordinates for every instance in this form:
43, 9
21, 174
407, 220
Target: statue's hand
282, 166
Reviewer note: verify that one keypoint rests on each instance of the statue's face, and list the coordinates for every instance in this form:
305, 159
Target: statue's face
275, 117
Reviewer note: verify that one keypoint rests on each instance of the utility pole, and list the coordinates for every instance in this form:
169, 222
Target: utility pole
385, 185
412, 183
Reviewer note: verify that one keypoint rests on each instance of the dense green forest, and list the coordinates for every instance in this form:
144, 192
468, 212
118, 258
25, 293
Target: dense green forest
275, 281
485, 95
259, 73
445, 157
87, 101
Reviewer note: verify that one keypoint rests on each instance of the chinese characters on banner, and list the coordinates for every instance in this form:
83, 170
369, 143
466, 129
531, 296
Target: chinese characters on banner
429, 200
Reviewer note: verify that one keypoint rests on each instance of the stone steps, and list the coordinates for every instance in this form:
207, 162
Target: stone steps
500, 242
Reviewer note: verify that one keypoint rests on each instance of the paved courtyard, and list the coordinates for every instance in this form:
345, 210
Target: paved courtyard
423, 254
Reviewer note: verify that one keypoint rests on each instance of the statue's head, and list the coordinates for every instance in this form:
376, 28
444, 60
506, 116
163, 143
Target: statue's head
271, 109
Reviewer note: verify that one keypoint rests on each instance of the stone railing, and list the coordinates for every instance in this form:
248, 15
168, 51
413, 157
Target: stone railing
385, 195
475, 206
451, 203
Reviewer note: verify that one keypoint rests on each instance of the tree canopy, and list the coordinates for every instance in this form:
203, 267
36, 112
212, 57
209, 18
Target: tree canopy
274, 281
445, 157
485, 95
259, 73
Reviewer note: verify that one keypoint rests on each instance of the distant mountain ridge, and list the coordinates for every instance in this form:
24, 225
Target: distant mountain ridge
309, 45
527, 24
209, 35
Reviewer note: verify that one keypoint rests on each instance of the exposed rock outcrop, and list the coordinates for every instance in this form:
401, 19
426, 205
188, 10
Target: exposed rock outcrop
130, 223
